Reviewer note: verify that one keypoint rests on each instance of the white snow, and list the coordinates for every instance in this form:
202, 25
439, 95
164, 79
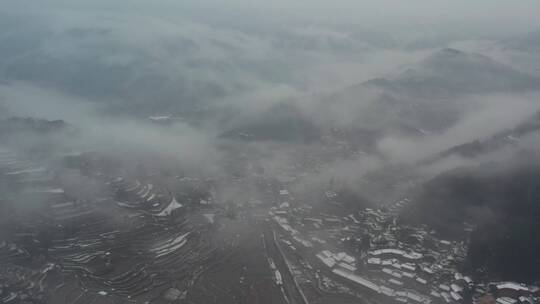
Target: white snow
173, 205
171, 245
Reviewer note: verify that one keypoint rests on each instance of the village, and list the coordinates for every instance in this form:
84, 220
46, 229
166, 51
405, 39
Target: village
370, 253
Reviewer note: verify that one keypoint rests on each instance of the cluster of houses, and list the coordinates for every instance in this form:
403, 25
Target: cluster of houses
371, 251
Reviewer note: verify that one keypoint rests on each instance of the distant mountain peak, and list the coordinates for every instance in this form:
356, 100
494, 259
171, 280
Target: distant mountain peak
450, 71
457, 56
451, 51
17, 124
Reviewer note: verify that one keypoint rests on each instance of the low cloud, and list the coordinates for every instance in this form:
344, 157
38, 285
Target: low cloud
487, 115
106, 72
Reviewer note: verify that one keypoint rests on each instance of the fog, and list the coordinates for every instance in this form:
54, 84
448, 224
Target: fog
478, 16
172, 150
105, 67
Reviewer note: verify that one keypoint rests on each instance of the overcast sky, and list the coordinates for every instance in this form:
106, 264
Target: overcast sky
481, 16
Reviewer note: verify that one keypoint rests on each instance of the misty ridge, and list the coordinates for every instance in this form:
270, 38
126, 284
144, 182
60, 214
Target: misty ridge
188, 123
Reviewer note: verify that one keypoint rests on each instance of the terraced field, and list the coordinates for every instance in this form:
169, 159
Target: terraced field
134, 243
